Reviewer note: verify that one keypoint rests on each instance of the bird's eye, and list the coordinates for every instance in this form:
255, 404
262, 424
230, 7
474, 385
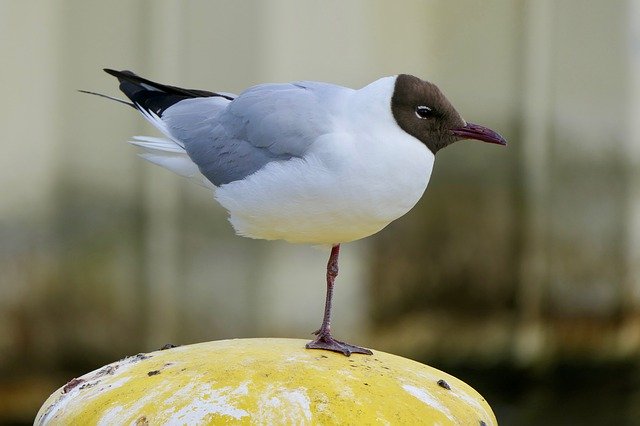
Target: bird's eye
423, 111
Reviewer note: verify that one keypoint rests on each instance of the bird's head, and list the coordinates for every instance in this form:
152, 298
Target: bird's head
423, 111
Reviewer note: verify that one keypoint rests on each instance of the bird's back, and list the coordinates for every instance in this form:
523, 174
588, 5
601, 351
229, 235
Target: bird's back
230, 140
229, 137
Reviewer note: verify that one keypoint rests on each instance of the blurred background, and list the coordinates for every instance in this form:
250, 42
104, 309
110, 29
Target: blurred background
519, 271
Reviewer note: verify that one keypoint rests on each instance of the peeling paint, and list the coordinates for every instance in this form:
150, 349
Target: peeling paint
279, 405
426, 397
264, 381
125, 410
200, 401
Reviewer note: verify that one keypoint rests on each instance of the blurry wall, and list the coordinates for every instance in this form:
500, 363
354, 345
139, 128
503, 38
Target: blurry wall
537, 245
525, 254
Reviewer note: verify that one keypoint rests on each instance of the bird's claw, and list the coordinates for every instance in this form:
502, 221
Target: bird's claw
328, 343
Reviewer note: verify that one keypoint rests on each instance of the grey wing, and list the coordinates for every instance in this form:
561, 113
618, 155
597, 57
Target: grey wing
230, 140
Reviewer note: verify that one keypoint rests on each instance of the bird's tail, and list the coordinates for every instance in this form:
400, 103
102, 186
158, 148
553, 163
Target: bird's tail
151, 99
170, 155
155, 97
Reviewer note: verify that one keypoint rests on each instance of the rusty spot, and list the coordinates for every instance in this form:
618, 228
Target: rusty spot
142, 421
72, 384
153, 373
141, 356
444, 384
168, 346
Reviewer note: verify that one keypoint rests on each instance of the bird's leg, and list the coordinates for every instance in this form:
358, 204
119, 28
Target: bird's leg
325, 340
332, 273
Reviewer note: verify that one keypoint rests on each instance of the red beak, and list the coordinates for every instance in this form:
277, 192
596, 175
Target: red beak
478, 132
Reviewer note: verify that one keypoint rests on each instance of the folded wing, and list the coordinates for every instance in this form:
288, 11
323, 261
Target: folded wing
230, 137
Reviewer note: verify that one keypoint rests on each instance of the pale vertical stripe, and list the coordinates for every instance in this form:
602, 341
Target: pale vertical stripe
632, 151
537, 106
296, 30
292, 285
162, 189
28, 118
28, 110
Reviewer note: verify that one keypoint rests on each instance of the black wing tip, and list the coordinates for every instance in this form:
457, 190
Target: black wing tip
120, 74
136, 88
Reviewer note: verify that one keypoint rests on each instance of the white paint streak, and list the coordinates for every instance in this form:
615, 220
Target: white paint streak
279, 405
382, 420
93, 385
86, 391
195, 409
470, 400
116, 414
424, 396
111, 415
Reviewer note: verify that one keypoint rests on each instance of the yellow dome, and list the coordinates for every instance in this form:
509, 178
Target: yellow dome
264, 381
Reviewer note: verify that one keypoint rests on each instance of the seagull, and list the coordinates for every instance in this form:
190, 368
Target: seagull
305, 162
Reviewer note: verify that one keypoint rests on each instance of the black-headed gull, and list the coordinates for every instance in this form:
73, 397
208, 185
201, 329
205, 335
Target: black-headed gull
304, 162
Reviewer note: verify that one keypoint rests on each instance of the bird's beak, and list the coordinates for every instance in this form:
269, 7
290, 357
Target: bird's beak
478, 132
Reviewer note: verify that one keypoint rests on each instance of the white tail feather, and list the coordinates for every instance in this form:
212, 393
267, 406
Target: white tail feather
159, 144
170, 155
157, 122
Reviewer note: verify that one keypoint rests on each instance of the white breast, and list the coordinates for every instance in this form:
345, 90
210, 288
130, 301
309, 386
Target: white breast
351, 184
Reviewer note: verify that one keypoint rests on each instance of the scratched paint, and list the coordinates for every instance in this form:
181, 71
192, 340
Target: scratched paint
263, 381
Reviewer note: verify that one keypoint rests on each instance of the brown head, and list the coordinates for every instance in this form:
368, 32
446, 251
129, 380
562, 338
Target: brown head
422, 110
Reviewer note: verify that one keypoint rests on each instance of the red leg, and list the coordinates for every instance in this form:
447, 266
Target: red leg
325, 340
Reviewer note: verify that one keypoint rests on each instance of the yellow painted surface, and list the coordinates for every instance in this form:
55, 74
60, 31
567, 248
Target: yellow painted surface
264, 381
